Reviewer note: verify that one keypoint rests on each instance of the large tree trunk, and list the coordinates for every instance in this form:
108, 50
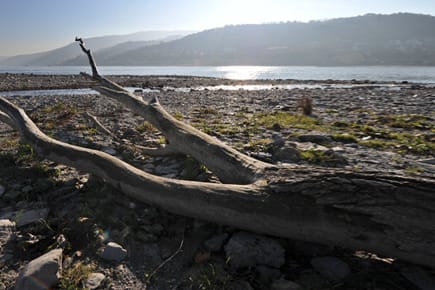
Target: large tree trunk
386, 214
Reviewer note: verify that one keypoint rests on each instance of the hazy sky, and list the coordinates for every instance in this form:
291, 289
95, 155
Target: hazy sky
37, 25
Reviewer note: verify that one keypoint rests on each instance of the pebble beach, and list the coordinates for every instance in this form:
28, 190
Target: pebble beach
358, 125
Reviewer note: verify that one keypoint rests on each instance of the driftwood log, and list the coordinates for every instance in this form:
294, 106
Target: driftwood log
386, 214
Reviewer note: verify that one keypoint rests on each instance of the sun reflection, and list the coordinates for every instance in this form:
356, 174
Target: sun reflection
244, 72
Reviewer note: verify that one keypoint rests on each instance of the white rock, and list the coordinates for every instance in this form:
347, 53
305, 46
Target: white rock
94, 281
6, 230
113, 252
41, 273
6, 224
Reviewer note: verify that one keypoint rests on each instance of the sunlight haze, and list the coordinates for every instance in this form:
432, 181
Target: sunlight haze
28, 26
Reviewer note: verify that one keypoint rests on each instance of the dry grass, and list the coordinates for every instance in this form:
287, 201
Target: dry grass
306, 105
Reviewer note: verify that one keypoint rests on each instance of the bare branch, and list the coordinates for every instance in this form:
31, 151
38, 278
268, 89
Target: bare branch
93, 122
171, 257
7, 120
168, 150
90, 57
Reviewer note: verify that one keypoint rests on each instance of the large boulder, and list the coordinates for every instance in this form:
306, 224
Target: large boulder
41, 273
250, 250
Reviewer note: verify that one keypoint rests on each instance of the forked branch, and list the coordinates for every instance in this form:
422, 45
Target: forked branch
228, 164
89, 54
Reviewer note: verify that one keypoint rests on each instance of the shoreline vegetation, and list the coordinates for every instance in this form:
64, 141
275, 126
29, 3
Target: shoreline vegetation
369, 127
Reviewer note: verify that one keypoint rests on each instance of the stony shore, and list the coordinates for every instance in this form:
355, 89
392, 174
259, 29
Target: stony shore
359, 125
9, 82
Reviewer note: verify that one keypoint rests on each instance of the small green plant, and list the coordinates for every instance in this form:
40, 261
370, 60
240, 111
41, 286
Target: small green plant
192, 168
51, 116
91, 131
145, 127
377, 143
10, 143
62, 108
414, 170
216, 127
401, 142
407, 121
162, 140
74, 277
25, 153
259, 144
178, 116
204, 127
317, 156
43, 170
210, 277
344, 138
286, 119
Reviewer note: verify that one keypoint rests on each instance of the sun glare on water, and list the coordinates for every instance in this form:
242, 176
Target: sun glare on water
244, 72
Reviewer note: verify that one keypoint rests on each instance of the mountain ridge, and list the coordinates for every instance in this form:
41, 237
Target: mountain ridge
62, 54
371, 39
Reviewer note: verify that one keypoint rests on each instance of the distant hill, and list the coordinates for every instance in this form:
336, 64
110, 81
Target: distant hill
372, 39
107, 55
71, 51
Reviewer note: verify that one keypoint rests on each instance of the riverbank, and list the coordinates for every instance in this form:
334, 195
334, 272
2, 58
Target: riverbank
364, 128
14, 82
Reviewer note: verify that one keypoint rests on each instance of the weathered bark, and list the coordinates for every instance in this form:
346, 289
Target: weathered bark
386, 214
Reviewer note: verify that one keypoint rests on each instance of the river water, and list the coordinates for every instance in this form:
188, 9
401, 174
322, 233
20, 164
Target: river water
418, 74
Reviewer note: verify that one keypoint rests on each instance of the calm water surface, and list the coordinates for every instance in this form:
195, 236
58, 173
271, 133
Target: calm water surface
376, 73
